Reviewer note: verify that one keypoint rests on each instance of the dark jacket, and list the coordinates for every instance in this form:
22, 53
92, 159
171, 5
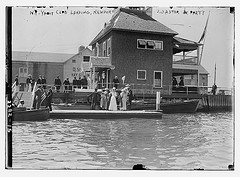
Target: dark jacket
57, 82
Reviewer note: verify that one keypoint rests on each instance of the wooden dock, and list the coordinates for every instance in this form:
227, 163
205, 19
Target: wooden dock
103, 114
217, 103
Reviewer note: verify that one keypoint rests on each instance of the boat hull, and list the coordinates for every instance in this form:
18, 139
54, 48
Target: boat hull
170, 108
31, 115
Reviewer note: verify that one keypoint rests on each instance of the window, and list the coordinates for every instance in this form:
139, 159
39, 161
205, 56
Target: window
73, 61
23, 72
159, 45
108, 46
104, 49
141, 44
157, 79
141, 74
86, 58
149, 44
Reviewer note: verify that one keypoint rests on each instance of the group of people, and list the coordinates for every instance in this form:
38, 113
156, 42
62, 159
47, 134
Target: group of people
81, 83
112, 100
30, 82
176, 84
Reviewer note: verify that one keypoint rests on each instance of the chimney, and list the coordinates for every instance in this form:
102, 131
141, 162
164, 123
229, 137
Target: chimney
81, 48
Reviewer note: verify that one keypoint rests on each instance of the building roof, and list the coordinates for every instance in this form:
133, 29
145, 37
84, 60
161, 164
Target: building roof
200, 68
78, 54
133, 20
40, 57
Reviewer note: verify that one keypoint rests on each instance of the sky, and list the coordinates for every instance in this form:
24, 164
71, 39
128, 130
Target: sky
40, 35
63, 29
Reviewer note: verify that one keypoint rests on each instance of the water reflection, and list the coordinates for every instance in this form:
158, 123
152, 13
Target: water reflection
180, 141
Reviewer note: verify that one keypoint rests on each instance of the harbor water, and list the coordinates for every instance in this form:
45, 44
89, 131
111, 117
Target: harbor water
175, 142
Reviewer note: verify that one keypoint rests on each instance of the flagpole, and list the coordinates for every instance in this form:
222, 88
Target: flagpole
215, 75
203, 37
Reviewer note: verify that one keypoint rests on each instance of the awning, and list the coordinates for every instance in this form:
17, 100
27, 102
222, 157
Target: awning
184, 45
150, 43
100, 62
142, 42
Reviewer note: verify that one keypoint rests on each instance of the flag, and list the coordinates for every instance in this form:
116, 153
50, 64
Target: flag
204, 30
43, 97
33, 93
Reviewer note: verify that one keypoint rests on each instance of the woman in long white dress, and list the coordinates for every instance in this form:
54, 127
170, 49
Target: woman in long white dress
124, 99
113, 102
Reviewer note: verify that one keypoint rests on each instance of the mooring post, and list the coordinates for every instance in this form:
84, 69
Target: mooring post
158, 100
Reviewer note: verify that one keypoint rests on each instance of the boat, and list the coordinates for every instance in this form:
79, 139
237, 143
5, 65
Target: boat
186, 106
24, 114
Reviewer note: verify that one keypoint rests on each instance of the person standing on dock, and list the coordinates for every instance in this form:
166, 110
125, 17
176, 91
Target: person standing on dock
113, 101
75, 82
129, 96
66, 84
39, 81
84, 82
57, 83
214, 89
181, 83
115, 82
124, 96
103, 102
174, 83
17, 83
95, 98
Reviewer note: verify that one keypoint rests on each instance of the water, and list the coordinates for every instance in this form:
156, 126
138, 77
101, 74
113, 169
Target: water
179, 141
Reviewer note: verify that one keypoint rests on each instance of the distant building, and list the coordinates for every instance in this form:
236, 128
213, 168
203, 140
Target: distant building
37, 63
78, 65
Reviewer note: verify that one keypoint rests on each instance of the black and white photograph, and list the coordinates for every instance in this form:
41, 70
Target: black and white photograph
120, 88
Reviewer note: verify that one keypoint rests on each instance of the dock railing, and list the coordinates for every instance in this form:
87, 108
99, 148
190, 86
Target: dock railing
145, 89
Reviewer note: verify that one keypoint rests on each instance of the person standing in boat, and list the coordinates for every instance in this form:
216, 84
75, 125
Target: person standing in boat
37, 99
57, 83
113, 101
95, 98
44, 82
49, 99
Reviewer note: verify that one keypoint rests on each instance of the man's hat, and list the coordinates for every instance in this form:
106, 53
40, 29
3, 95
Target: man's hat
21, 101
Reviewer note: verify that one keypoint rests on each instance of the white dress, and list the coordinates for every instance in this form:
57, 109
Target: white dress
113, 102
124, 100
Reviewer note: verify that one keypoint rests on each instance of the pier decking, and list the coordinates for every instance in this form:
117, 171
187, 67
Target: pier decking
102, 114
